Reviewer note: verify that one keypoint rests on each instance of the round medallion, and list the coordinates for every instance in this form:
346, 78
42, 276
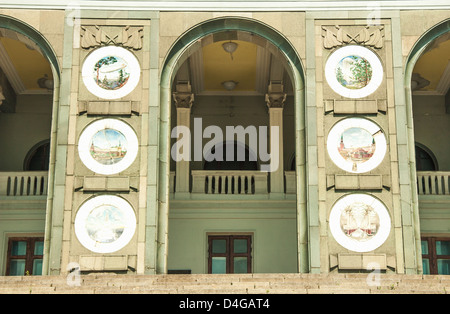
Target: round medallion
360, 222
108, 146
356, 145
354, 71
111, 72
105, 224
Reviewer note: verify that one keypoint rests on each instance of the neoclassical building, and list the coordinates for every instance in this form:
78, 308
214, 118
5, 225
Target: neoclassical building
224, 137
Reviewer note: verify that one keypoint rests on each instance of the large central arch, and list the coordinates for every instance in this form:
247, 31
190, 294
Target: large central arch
178, 51
40, 43
416, 52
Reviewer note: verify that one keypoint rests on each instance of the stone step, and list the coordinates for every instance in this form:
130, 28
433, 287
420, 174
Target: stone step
227, 284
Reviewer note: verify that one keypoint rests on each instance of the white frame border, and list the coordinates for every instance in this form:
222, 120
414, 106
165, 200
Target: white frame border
334, 137
86, 209
96, 126
92, 59
353, 245
354, 50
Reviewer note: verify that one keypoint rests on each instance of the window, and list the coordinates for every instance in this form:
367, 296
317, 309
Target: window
24, 256
38, 157
425, 160
436, 256
229, 254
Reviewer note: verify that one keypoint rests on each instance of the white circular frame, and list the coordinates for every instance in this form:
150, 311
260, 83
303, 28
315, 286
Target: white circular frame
84, 144
334, 138
353, 50
95, 56
349, 243
88, 207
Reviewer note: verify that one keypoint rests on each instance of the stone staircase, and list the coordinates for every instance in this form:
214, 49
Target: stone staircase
227, 284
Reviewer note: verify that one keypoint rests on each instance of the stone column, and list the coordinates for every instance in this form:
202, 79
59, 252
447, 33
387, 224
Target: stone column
183, 100
275, 99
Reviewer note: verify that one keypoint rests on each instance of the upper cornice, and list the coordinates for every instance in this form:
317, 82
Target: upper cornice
229, 6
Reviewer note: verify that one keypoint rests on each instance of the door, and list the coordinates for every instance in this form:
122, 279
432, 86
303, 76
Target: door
229, 254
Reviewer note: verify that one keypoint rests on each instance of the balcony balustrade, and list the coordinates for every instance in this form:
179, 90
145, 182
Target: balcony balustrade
433, 182
233, 182
34, 183
229, 182
26, 183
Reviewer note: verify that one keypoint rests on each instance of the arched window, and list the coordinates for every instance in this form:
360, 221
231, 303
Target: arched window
38, 157
248, 164
425, 160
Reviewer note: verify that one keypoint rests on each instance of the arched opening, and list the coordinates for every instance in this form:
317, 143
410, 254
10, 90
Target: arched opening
38, 157
427, 100
230, 88
430, 97
231, 149
425, 159
29, 71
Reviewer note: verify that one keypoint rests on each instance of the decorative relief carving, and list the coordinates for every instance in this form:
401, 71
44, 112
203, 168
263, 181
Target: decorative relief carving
127, 37
183, 97
275, 100
335, 36
183, 100
276, 96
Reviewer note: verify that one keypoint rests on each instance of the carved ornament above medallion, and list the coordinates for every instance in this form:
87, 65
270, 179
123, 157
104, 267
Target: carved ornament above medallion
93, 36
336, 36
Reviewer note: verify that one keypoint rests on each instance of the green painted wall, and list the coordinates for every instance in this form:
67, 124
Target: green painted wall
273, 226
20, 217
20, 131
431, 127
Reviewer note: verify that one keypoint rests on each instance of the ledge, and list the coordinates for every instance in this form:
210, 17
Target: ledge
254, 6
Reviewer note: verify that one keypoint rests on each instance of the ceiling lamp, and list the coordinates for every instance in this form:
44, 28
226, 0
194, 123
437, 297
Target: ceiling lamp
45, 82
229, 85
230, 47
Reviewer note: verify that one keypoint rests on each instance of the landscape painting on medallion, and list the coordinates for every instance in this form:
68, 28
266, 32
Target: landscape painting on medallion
353, 72
108, 146
111, 73
105, 224
357, 146
359, 221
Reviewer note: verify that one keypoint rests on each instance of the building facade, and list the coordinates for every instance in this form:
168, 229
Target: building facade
224, 137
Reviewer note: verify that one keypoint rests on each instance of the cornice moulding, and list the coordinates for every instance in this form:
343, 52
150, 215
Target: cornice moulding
228, 6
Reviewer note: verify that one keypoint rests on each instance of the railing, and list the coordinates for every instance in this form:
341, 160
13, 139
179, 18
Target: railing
229, 182
290, 183
29, 183
433, 182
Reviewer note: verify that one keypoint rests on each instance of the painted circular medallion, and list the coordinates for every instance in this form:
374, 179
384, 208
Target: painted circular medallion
354, 71
356, 145
360, 222
108, 146
105, 224
111, 72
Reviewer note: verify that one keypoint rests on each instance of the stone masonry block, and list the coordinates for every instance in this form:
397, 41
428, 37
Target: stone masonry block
345, 182
356, 182
95, 183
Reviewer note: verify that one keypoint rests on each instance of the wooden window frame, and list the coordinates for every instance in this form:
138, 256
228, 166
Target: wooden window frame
432, 254
29, 256
229, 253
